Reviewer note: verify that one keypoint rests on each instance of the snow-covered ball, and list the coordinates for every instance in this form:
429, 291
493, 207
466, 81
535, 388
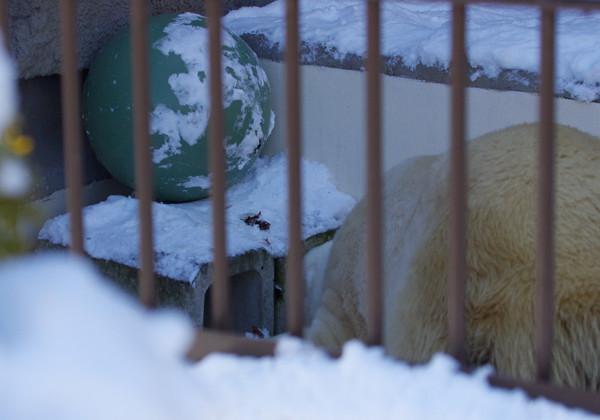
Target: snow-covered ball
180, 106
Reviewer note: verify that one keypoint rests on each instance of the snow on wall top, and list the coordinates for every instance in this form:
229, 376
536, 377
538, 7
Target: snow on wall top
419, 33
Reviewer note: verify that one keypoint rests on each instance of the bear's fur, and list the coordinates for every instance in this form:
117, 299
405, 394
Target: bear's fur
502, 188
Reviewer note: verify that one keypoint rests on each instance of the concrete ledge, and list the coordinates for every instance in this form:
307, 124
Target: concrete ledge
257, 287
34, 28
252, 286
320, 55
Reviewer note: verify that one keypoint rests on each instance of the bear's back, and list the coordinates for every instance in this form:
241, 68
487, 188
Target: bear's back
501, 241
501, 260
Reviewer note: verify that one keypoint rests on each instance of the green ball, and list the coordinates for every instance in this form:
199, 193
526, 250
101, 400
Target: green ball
179, 111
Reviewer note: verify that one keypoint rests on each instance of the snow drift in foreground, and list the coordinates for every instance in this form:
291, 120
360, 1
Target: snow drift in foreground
73, 346
498, 36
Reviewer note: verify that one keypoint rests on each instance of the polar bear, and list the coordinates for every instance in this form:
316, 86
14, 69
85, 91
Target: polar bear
501, 237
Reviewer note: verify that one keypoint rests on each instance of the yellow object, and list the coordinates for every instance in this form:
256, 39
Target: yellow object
17, 142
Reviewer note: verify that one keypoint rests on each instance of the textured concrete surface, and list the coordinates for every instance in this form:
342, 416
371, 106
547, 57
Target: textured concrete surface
41, 118
252, 285
316, 54
257, 287
35, 32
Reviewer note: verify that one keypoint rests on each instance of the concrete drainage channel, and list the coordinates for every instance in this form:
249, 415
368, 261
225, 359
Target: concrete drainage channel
257, 287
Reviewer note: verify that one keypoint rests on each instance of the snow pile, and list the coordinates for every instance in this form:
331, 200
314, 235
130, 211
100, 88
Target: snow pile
73, 347
498, 37
302, 383
183, 232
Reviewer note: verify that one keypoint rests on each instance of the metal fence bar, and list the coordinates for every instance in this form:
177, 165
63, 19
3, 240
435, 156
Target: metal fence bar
143, 153
374, 314
294, 277
207, 342
458, 192
5, 23
545, 262
574, 398
71, 121
221, 314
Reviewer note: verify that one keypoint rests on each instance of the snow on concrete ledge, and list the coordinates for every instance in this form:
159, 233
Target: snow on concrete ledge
256, 219
503, 42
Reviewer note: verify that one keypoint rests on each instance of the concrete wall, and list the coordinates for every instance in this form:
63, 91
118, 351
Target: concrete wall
416, 118
35, 32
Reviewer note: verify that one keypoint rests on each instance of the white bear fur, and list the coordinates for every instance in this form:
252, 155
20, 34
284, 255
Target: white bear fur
502, 188
315, 265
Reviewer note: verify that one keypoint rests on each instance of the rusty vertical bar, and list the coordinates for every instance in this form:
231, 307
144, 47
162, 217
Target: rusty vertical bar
294, 277
71, 121
221, 315
374, 318
4, 23
458, 192
545, 243
144, 183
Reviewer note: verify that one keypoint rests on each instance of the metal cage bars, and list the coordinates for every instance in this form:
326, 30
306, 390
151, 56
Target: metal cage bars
4, 23
294, 279
545, 208
457, 271
221, 316
71, 121
142, 148
208, 341
456, 289
374, 314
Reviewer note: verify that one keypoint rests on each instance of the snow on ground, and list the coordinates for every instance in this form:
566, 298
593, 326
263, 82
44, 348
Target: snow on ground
183, 232
73, 346
498, 37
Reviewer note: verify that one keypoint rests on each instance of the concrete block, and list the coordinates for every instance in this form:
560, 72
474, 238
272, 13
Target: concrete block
257, 281
252, 290
252, 285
